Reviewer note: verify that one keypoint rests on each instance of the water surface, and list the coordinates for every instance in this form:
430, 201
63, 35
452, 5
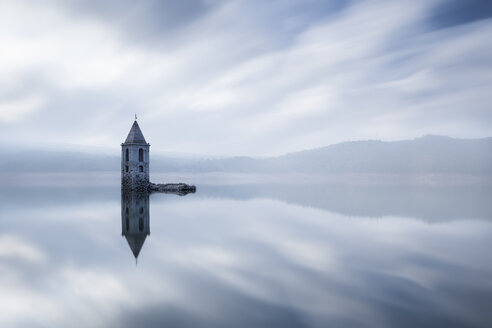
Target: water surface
247, 256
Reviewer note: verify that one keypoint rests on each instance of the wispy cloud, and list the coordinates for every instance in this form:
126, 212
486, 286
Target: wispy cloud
244, 77
15, 248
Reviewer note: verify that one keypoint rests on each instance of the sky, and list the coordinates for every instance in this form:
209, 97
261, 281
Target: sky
248, 77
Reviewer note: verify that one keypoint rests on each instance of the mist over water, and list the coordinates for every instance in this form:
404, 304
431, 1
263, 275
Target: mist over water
265, 255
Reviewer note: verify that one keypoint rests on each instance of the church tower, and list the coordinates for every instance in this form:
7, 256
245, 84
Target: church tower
135, 160
135, 219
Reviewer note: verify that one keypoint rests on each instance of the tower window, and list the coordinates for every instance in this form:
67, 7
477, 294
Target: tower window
140, 224
140, 168
140, 155
126, 168
141, 210
127, 155
127, 224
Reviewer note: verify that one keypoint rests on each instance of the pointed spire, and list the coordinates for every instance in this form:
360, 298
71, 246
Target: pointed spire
135, 241
135, 135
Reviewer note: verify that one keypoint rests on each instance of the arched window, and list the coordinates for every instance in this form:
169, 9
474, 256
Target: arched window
141, 210
140, 168
140, 224
140, 155
127, 155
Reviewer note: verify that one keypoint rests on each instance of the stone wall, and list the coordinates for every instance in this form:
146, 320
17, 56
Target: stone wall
134, 173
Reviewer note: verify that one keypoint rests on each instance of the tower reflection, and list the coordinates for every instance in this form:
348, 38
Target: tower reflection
135, 219
135, 216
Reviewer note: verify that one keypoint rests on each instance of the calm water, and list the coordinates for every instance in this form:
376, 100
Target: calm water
246, 256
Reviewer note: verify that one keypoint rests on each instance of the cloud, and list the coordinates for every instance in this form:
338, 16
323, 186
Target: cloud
147, 22
243, 77
20, 108
15, 248
454, 12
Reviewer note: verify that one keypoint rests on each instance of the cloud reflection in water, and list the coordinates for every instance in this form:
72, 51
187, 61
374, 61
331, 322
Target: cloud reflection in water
242, 261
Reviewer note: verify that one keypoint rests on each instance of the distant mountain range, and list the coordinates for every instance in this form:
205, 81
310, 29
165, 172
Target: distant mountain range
428, 154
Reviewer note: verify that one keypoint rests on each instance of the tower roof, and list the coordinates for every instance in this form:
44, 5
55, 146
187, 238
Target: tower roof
135, 135
135, 241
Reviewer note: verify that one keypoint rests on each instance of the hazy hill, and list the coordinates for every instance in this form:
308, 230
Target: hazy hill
429, 154
423, 155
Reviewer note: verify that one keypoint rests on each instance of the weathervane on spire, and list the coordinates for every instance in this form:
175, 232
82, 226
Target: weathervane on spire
135, 116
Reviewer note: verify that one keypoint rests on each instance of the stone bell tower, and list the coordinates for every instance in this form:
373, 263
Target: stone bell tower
135, 219
135, 160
